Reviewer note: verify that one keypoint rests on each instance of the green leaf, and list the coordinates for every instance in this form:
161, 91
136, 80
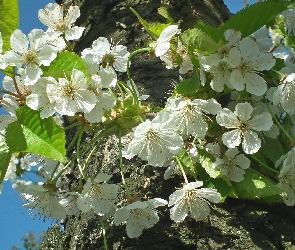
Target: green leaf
187, 164
206, 160
187, 86
222, 185
5, 156
272, 149
215, 33
255, 185
144, 24
32, 134
157, 28
197, 41
65, 62
253, 17
164, 13
8, 20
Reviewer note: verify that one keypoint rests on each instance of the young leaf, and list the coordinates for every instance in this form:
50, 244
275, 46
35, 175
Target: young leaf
164, 13
32, 134
144, 24
8, 20
211, 31
206, 160
65, 62
197, 41
253, 17
255, 185
5, 156
186, 86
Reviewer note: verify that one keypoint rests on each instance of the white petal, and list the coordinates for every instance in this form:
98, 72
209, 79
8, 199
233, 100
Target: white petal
179, 211
255, 84
232, 138
74, 33
231, 153
199, 209
237, 80
121, 216
242, 161
251, 142
227, 118
262, 122
84, 203
210, 194
19, 42
248, 48
236, 174
243, 111
168, 33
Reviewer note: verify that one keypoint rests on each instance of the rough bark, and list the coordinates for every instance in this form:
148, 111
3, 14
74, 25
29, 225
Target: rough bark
232, 225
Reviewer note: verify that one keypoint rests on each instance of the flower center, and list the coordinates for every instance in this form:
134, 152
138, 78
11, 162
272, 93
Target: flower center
61, 26
222, 66
108, 60
243, 126
30, 57
68, 90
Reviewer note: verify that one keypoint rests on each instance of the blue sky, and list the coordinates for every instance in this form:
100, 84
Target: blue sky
15, 220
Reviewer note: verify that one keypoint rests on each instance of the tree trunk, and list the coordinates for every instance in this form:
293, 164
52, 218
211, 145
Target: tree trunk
113, 19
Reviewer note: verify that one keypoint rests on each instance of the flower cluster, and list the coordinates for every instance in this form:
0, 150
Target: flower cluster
233, 101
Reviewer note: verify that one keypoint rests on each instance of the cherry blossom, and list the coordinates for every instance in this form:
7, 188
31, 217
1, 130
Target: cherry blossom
244, 126
53, 17
138, 216
192, 201
39, 53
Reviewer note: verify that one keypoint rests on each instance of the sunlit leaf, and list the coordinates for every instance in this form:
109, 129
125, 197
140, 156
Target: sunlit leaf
5, 156
8, 20
32, 134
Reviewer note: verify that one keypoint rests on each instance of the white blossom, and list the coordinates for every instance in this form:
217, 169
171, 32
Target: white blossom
103, 53
38, 98
43, 198
246, 61
53, 17
191, 116
244, 126
32, 57
192, 201
30, 160
97, 195
138, 216
233, 164
262, 38
11, 169
155, 141
105, 78
287, 184
289, 16
71, 95
284, 95
163, 41
287, 177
